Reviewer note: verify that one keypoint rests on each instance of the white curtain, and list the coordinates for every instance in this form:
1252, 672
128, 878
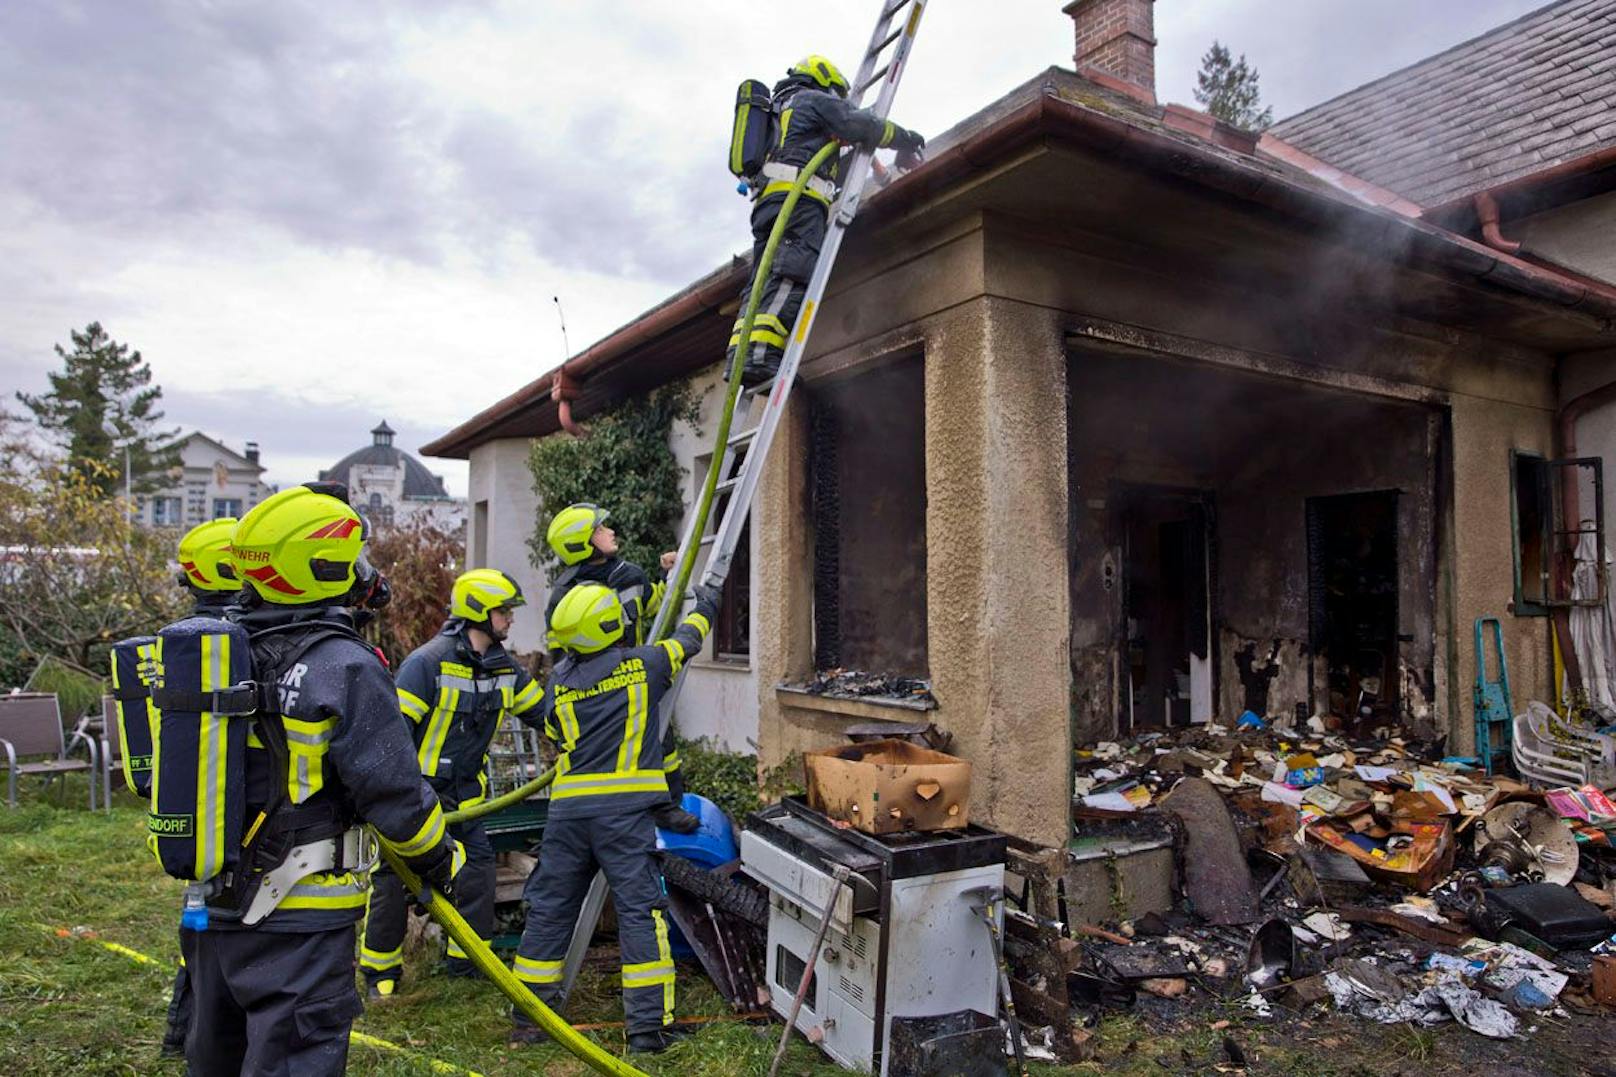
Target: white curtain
1593, 628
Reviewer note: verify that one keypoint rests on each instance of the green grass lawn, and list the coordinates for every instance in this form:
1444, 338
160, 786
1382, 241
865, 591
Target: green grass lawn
71, 882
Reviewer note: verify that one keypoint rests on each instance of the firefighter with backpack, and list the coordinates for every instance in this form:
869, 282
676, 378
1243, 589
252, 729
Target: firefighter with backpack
774, 136
208, 576
456, 690
279, 734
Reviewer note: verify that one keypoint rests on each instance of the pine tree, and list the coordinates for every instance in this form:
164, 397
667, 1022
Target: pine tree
1228, 89
101, 404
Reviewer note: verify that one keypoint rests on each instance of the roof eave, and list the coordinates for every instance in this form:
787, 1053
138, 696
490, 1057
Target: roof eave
1192, 159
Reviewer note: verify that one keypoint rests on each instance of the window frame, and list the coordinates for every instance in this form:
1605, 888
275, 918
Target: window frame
734, 582
1553, 537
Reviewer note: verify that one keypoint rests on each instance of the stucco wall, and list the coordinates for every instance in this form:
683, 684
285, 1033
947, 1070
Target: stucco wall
1596, 429
1499, 398
995, 563
499, 477
1579, 236
1500, 415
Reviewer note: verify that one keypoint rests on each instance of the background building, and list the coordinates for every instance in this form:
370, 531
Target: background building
213, 480
390, 486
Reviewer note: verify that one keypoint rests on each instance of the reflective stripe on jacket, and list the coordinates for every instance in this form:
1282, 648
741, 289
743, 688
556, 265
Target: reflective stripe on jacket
602, 711
347, 751
455, 700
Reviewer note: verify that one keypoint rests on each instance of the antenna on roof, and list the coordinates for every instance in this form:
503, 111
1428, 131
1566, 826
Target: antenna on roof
567, 348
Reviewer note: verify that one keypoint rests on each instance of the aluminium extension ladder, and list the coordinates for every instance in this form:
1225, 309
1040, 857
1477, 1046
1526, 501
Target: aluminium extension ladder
741, 462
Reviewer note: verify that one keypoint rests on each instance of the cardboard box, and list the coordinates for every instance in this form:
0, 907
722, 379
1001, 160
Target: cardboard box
888, 786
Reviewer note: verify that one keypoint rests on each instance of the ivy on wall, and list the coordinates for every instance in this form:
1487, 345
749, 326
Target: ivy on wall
625, 466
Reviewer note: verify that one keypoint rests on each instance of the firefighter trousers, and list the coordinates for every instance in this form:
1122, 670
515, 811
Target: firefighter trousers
270, 1004
179, 1007
623, 846
786, 285
382, 955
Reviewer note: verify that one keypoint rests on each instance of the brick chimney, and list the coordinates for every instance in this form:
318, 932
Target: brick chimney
1116, 44
252, 452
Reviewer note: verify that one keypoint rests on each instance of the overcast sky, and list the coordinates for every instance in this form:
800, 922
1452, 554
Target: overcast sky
310, 216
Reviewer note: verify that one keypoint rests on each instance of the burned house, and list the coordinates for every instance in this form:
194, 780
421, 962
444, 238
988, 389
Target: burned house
1116, 417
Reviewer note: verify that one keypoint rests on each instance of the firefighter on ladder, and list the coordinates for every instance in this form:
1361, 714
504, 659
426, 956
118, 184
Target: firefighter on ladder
811, 103
599, 707
456, 690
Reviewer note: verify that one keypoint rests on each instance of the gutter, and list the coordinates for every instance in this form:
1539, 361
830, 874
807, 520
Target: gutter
1576, 166
561, 384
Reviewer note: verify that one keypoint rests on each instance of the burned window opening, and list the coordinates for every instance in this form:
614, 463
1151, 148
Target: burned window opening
1352, 550
732, 629
822, 445
1258, 448
868, 483
1167, 587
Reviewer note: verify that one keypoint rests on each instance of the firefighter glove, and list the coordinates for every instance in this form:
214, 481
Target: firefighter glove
441, 874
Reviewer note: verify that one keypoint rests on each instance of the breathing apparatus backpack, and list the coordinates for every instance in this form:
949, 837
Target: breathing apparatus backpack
219, 685
134, 670
755, 131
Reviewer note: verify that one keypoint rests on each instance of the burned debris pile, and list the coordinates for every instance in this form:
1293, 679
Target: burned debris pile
858, 684
1288, 867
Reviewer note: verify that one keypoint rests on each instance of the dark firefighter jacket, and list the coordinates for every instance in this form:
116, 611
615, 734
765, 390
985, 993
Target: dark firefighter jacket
809, 118
602, 710
350, 759
635, 591
455, 700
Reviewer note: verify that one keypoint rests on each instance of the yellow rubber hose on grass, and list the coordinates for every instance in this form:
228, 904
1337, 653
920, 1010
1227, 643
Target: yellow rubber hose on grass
477, 951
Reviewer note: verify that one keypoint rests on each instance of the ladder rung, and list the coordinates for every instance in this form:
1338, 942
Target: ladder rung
895, 7
889, 39
875, 78
726, 486
708, 540
742, 438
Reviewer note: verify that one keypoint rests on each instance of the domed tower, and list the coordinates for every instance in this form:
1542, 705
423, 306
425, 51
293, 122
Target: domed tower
389, 485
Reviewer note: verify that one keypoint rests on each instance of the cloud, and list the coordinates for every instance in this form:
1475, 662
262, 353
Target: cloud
311, 215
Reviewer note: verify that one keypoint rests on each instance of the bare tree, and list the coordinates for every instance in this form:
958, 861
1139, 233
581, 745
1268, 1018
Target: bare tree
75, 574
420, 557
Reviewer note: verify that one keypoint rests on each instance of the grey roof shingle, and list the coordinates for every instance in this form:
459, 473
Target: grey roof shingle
1528, 95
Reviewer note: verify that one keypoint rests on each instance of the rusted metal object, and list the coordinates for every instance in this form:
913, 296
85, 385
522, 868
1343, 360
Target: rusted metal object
1217, 879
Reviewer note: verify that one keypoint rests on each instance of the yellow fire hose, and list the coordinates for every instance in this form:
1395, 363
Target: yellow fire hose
439, 907
760, 275
504, 800
704, 504
477, 951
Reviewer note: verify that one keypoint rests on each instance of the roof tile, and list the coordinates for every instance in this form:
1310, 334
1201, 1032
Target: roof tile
1527, 94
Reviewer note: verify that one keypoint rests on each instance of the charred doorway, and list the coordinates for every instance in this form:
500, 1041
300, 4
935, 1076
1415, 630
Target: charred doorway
1164, 536
1352, 554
